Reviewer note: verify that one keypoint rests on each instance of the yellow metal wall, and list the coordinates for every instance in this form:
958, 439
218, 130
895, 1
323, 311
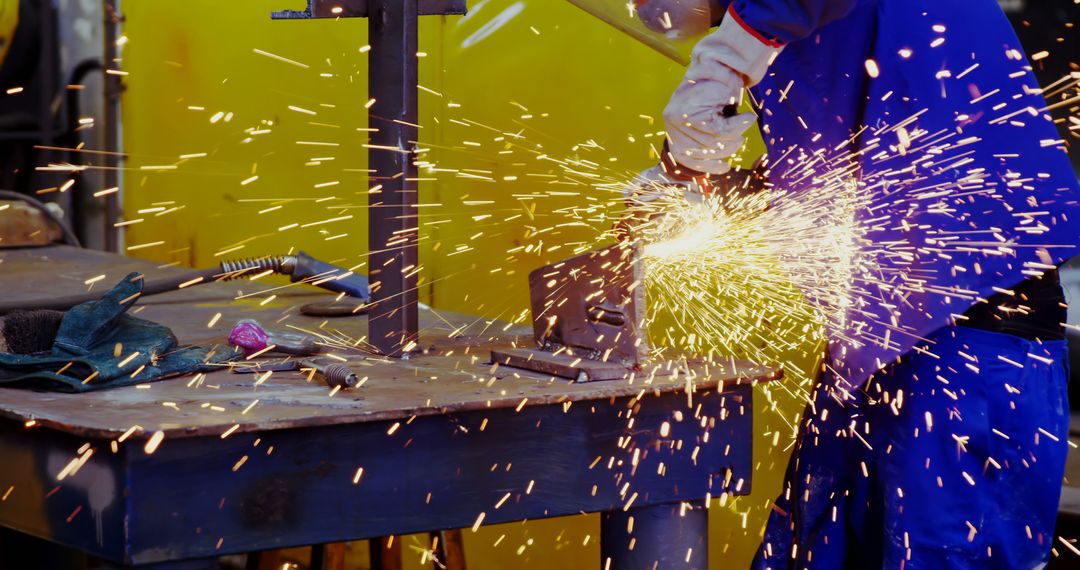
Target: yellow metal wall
510, 83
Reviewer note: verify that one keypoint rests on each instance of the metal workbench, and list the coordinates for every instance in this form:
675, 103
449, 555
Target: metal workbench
249, 463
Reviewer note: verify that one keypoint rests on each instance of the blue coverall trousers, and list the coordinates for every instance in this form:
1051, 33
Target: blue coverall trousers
951, 458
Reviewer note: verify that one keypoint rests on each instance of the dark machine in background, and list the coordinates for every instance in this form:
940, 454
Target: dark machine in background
55, 94
29, 80
1045, 25
1049, 25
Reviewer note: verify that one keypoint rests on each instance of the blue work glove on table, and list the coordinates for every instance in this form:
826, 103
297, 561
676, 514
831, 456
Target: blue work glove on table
98, 345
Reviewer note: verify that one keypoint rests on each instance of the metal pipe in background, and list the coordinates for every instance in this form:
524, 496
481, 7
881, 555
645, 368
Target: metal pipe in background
51, 97
82, 206
113, 88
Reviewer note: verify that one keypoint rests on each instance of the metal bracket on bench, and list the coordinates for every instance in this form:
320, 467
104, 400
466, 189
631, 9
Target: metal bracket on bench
587, 314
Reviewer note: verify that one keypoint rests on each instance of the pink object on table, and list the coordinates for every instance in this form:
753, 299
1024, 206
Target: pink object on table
249, 335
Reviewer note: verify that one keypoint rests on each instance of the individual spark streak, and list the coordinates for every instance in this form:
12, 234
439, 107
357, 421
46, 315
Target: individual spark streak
281, 58
145, 245
153, 443
872, 68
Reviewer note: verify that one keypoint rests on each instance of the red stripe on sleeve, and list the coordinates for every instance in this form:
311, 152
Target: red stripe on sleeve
750, 30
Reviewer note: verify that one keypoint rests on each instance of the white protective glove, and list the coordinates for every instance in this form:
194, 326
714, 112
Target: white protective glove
723, 64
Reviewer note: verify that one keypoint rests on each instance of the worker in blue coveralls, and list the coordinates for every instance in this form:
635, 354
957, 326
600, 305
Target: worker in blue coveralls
936, 432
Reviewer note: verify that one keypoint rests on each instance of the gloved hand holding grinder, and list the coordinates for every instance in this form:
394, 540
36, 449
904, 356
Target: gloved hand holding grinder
704, 128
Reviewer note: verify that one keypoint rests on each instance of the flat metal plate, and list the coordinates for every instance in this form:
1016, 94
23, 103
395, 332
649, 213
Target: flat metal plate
531, 361
562, 365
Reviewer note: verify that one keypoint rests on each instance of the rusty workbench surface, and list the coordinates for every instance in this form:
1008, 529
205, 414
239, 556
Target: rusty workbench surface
453, 375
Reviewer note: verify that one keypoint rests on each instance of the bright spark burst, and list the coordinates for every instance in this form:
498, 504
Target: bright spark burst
726, 274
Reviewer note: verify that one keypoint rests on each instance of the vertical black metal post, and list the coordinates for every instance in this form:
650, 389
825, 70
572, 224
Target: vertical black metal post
392, 221
659, 536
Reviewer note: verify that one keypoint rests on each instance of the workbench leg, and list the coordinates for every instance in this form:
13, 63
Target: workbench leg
449, 550
18, 550
392, 215
264, 560
385, 553
328, 556
658, 537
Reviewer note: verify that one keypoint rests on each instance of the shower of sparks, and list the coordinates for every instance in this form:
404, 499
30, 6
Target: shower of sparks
724, 269
725, 274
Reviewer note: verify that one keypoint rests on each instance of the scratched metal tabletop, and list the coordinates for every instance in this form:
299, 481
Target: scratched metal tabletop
453, 372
